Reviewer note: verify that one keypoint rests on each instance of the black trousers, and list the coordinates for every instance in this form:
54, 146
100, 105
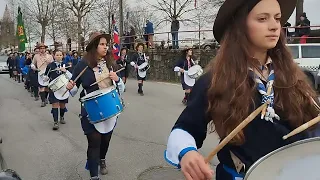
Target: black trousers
98, 145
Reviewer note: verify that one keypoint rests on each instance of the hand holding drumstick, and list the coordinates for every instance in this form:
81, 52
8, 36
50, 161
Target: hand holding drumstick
193, 164
112, 75
71, 84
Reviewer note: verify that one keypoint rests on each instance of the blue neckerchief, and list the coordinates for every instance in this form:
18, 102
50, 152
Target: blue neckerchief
270, 114
59, 65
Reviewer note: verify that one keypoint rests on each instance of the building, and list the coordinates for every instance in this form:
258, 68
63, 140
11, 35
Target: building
7, 32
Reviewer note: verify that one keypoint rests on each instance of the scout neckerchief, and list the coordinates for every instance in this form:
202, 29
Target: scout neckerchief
270, 113
59, 65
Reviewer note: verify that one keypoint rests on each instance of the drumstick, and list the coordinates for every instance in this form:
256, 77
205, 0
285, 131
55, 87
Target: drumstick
302, 127
233, 133
105, 78
59, 68
75, 80
264, 110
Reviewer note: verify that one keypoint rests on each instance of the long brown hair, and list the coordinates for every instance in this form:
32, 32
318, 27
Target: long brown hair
232, 91
91, 57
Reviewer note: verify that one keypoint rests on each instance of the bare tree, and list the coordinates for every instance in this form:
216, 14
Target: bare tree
40, 11
104, 13
173, 9
80, 8
139, 15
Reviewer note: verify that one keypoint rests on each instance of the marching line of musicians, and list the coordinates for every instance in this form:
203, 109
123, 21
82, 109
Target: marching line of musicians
51, 75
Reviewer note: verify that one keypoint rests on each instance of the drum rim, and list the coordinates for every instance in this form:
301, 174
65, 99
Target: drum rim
105, 119
107, 90
259, 161
194, 67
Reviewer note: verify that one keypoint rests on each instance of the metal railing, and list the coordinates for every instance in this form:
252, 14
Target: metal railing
163, 40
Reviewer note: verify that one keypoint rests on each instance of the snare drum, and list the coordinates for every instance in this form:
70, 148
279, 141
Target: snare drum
102, 104
195, 71
295, 161
58, 82
41, 79
144, 67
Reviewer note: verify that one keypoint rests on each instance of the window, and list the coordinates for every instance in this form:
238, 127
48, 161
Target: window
294, 51
310, 51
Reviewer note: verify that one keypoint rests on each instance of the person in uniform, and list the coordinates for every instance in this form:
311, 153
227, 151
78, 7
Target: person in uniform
33, 75
123, 61
16, 68
184, 64
40, 63
10, 64
100, 65
138, 59
253, 57
54, 70
26, 69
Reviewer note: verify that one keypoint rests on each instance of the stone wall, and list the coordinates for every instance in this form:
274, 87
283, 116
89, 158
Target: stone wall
162, 63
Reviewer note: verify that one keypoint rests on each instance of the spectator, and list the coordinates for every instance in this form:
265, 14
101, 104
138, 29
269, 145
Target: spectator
150, 33
304, 28
132, 37
175, 26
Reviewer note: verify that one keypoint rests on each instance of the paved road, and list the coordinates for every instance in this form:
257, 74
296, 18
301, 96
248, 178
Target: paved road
137, 146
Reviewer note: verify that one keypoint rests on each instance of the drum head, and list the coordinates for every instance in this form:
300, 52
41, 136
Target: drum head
143, 65
189, 81
194, 69
97, 93
295, 161
41, 82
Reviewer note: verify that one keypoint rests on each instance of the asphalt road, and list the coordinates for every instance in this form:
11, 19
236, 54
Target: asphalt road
136, 152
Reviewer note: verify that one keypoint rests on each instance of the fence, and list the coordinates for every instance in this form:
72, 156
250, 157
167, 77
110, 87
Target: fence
163, 57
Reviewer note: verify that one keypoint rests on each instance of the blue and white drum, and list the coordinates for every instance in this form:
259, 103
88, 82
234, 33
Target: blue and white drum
295, 161
102, 105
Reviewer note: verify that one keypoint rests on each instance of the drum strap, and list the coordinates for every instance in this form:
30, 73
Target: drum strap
237, 162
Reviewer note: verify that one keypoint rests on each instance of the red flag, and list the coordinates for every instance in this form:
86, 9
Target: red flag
195, 3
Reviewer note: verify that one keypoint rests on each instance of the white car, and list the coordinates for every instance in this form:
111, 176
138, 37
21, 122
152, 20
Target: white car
307, 56
4, 69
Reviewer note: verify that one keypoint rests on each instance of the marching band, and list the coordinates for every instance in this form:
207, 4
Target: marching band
244, 94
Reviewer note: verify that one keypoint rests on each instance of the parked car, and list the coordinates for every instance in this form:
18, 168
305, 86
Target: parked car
207, 44
4, 69
307, 56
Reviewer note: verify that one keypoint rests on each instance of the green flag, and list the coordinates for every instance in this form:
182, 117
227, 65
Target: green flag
21, 33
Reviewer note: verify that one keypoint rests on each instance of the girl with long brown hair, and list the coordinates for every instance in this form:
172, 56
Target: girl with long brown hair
100, 65
253, 57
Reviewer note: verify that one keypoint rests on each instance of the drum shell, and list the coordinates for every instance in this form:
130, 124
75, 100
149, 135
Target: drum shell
103, 106
195, 72
58, 83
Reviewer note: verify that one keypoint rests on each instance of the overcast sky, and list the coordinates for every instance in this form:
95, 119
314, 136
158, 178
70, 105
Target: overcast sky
311, 8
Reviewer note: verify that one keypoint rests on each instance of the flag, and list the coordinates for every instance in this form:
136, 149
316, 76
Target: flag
21, 33
116, 41
195, 3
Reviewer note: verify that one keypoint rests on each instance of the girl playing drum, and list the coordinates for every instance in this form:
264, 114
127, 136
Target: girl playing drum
97, 64
54, 70
252, 57
123, 61
184, 64
138, 59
